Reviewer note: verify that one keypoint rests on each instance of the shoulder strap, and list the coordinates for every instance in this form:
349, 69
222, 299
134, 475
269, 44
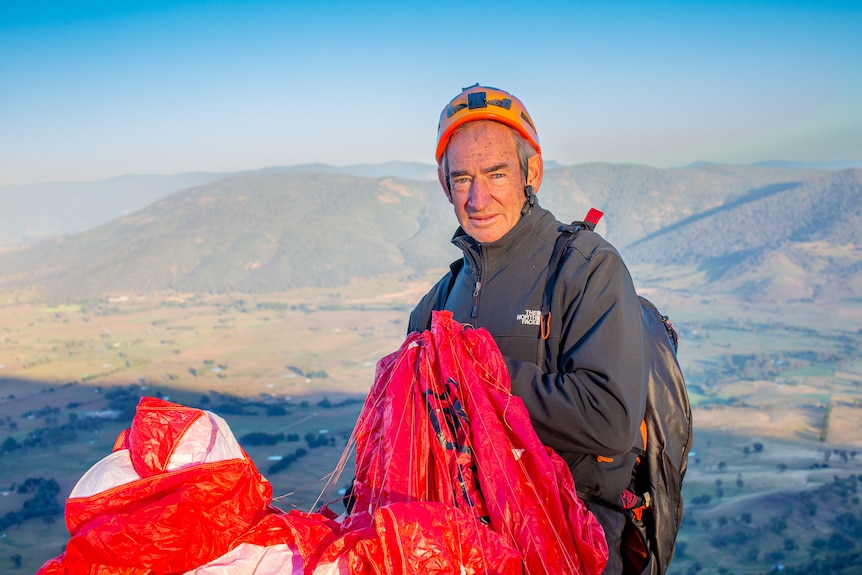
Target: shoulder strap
567, 235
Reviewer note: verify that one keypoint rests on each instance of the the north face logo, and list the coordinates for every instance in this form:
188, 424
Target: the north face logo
530, 317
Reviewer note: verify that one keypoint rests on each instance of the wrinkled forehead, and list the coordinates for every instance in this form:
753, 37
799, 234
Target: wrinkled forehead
488, 135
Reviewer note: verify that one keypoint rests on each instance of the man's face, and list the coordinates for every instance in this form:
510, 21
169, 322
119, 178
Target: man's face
486, 185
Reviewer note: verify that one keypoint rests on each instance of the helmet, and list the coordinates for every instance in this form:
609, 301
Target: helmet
484, 103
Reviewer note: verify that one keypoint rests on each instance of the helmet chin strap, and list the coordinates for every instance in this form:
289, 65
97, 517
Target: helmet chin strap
530, 201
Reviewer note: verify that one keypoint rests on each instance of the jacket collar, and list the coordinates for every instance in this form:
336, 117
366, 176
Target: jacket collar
532, 226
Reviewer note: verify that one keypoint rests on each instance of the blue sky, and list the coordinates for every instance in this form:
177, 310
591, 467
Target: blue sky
91, 90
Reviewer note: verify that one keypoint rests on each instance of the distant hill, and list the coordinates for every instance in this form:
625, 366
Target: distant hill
794, 240
831, 166
640, 200
32, 213
404, 170
251, 233
762, 232
35, 212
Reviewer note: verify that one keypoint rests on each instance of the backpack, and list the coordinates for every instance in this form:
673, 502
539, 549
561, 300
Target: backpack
653, 503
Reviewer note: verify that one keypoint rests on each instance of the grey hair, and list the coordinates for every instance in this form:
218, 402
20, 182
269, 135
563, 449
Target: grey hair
523, 148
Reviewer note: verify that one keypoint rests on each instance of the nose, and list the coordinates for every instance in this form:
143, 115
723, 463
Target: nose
480, 197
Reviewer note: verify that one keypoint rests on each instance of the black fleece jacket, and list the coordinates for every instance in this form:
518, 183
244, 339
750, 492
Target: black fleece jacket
588, 398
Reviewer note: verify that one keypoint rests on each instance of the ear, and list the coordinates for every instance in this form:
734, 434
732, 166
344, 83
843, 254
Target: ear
535, 171
442, 177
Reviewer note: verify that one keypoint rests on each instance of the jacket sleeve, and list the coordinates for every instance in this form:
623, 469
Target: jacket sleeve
595, 400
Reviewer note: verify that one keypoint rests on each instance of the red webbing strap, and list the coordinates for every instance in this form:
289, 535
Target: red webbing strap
593, 216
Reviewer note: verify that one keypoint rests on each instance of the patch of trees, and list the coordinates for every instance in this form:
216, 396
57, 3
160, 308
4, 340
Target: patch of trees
701, 499
234, 408
208, 363
319, 374
848, 524
46, 411
824, 429
778, 525
226, 404
125, 399
286, 461
312, 440
767, 366
16, 560
276, 306
838, 547
9, 445
731, 539
257, 438
830, 517
841, 492
52, 436
315, 440
42, 504
837, 563
811, 356
843, 454
37, 361
326, 403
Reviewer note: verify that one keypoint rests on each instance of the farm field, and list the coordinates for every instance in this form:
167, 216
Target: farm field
775, 389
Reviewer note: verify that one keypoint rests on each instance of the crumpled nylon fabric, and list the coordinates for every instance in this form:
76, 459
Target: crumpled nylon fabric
177, 493
440, 424
450, 479
420, 537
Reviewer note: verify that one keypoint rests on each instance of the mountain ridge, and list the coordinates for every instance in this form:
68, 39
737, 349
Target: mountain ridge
34, 212
278, 229
801, 239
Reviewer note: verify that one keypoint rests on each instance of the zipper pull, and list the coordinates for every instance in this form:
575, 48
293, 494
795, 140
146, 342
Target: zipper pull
476, 290
475, 299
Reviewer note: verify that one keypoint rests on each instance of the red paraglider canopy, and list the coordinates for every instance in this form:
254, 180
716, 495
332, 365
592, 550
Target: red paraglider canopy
450, 478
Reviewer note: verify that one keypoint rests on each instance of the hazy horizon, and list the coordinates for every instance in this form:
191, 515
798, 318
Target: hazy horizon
841, 164
95, 90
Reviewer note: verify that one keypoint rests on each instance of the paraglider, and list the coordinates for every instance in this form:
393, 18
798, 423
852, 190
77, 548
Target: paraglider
450, 478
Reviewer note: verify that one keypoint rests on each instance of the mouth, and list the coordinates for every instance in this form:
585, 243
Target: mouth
482, 220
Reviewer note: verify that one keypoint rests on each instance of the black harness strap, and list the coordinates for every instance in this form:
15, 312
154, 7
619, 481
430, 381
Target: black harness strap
567, 236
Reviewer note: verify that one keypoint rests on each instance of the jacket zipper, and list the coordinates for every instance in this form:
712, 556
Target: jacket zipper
477, 286
476, 264
475, 311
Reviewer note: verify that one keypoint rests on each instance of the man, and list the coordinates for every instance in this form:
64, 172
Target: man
584, 385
